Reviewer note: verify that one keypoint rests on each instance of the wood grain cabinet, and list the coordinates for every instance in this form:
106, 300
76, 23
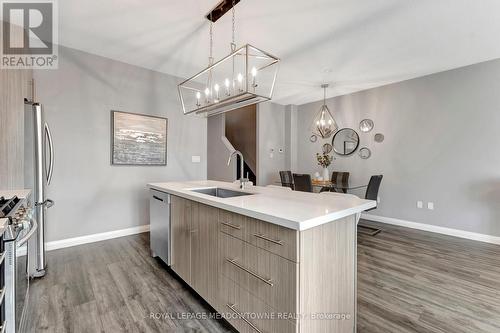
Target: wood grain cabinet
269, 277
180, 227
194, 245
14, 87
204, 251
266, 278
271, 237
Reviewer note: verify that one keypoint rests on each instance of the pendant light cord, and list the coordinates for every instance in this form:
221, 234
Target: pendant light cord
210, 58
233, 43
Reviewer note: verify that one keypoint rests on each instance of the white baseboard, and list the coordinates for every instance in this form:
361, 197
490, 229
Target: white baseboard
68, 242
432, 228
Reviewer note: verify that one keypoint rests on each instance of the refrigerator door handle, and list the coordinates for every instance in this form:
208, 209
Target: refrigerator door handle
51, 152
47, 203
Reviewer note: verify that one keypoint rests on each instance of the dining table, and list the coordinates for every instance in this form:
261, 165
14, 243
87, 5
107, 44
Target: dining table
332, 185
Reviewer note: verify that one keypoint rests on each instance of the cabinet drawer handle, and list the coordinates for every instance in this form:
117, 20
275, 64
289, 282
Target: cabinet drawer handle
157, 198
234, 226
193, 231
275, 241
233, 308
263, 279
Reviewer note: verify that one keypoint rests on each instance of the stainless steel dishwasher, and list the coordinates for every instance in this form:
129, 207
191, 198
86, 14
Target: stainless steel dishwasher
159, 224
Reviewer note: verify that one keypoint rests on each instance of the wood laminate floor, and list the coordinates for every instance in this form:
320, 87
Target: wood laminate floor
114, 286
408, 281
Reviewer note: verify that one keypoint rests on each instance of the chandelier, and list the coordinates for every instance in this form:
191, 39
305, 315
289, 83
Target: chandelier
244, 77
323, 123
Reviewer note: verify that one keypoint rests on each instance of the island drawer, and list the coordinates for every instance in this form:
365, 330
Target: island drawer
249, 314
269, 277
271, 237
232, 224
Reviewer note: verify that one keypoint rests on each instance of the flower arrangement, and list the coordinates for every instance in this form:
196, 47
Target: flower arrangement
324, 160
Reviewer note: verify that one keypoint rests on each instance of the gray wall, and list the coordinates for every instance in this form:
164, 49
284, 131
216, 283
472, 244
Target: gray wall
217, 168
270, 136
91, 195
442, 144
291, 137
241, 131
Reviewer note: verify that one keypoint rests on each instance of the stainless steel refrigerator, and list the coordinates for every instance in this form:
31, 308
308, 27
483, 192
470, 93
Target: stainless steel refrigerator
38, 168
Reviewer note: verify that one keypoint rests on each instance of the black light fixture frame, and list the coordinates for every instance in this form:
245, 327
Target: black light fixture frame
220, 9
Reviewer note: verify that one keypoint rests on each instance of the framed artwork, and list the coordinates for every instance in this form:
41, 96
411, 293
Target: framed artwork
138, 139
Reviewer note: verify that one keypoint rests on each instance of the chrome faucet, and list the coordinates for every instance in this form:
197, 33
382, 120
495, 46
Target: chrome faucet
243, 180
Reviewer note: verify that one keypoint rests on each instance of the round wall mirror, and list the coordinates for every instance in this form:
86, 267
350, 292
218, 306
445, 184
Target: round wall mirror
379, 137
327, 148
365, 153
366, 125
345, 142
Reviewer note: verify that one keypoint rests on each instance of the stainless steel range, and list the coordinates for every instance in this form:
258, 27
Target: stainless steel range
17, 225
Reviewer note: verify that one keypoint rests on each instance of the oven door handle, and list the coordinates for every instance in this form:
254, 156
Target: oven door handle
23, 240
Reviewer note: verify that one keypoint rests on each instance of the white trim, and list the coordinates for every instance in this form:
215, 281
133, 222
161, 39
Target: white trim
68, 242
433, 228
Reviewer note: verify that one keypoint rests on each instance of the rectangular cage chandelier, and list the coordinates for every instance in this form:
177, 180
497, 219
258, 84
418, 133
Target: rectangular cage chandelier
246, 76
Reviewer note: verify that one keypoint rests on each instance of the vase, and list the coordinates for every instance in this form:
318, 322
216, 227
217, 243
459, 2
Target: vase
326, 174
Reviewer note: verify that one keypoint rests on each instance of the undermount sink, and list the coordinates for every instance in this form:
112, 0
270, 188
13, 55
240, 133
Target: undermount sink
220, 192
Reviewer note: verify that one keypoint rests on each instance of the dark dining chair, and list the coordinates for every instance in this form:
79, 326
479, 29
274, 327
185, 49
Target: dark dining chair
286, 179
302, 182
371, 194
338, 178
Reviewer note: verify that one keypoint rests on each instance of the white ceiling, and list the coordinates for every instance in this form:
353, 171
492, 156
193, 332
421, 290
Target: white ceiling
351, 44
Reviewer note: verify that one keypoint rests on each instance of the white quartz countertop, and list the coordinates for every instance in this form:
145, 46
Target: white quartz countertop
291, 209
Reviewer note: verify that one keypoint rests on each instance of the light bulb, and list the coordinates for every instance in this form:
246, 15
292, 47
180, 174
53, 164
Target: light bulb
216, 88
207, 93
198, 96
240, 80
226, 83
254, 74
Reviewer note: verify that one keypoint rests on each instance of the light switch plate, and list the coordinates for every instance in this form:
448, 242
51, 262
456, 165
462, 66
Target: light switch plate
420, 204
430, 205
196, 159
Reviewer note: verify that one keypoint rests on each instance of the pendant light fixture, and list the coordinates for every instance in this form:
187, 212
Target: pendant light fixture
244, 77
324, 125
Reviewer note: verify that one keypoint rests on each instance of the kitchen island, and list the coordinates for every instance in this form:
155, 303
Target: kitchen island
268, 259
